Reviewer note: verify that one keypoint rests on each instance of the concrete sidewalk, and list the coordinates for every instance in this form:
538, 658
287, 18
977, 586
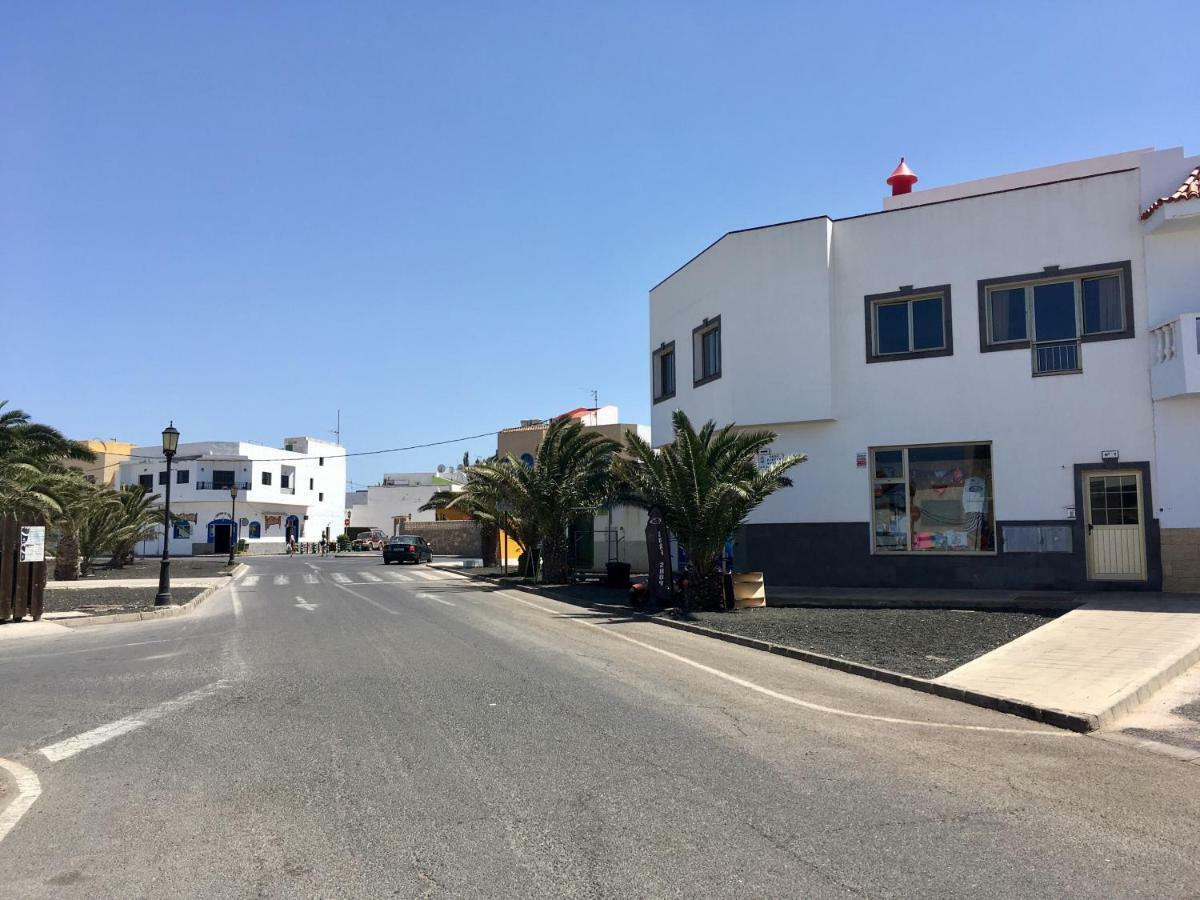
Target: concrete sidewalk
1097, 661
131, 583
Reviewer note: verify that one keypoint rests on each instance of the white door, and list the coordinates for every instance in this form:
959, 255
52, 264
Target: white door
1116, 537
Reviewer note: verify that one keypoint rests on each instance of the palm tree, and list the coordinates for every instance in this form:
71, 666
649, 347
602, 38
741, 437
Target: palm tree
706, 482
78, 502
118, 528
28, 454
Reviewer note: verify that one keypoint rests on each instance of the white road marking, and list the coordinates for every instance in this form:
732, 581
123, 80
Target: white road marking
303, 604
28, 790
313, 567
68, 748
237, 603
342, 577
424, 596
375, 603
281, 579
310, 578
425, 575
367, 576
396, 576
11, 659
250, 580
776, 695
158, 656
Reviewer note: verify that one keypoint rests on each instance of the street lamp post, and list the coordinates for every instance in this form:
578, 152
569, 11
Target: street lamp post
233, 515
170, 443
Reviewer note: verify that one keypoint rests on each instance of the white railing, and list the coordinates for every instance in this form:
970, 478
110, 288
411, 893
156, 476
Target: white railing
1175, 357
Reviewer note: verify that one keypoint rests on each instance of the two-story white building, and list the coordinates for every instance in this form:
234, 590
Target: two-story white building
398, 499
297, 491
997, 383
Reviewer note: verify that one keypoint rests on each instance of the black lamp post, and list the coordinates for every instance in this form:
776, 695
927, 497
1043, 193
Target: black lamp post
170, 443
233, 515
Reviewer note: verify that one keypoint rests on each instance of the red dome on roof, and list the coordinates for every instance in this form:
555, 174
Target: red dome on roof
902, 179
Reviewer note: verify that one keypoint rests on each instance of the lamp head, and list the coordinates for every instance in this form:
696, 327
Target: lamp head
170, 440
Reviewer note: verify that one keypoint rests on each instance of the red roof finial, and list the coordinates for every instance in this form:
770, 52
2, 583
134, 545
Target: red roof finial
902, 179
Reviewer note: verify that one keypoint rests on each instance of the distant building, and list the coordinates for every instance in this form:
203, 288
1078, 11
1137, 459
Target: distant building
601, 535
398, 499
105, 469
297, 492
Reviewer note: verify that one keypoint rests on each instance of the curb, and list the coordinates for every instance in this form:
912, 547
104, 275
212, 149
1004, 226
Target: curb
166, 612
1054, 717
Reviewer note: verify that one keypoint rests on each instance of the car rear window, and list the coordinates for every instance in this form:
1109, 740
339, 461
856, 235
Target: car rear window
405, 539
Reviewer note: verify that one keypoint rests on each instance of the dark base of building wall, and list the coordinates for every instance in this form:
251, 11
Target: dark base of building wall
837, 554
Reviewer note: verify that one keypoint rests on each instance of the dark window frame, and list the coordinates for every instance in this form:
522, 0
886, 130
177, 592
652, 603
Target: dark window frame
266, 479
1049, 275
146, 481
183, 476
162, 477
656, 373
908, 294
698, 334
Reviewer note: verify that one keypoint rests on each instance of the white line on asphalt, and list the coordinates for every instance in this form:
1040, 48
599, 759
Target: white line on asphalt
342, 577
396, 576
300, 602
425, 575
376, 604
281, 579
310, 578
237, 603
424, 596
786, 698
314, 568
10, 659
68, 748
28, 790
367, 576
250, 580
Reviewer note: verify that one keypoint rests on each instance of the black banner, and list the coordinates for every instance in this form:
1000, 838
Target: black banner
658, 551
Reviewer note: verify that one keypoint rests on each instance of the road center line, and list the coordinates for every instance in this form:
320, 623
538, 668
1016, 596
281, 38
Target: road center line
87, 740
28, 790
776, 695
386, 609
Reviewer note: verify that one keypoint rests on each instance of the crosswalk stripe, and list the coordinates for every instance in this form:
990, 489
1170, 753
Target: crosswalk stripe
310, 578
367, 576
396, 576
427, 576
250, 581
341, 578
281, 579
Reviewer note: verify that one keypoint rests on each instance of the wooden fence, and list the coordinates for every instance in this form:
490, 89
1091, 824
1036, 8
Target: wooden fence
22, 584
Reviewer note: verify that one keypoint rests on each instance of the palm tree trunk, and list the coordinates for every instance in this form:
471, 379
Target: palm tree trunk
556, 567
66, 563
705, 590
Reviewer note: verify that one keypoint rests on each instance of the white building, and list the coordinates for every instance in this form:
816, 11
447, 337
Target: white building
399, 498
296, 491
997, 383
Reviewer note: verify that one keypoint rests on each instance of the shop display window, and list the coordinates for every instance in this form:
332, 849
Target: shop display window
933, 498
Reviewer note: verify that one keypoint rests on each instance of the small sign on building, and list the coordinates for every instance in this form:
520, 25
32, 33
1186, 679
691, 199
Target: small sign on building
33, 543
860, 459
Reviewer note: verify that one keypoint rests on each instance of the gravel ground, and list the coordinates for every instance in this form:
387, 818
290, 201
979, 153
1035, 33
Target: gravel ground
922, 642
102, 601
183, 567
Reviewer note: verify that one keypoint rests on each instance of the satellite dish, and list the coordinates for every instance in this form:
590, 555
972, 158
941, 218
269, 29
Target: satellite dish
441, 468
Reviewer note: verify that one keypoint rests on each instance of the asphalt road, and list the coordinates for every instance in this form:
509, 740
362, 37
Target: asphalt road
318, 733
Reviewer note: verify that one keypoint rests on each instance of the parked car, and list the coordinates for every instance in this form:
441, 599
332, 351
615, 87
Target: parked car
407, 548
374, 539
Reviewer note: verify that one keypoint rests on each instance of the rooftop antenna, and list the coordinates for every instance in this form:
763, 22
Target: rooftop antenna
595, 399
337, 432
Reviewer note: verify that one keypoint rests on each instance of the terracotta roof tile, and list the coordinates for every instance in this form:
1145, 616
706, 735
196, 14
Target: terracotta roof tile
1189, 190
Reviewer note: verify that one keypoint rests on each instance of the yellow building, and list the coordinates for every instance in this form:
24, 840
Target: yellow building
109, 456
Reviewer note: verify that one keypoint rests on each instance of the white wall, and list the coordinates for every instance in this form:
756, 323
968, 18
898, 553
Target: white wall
770, 287
772, 372
1177, 491
386, 501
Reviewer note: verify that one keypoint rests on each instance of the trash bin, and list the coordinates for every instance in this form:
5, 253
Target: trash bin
618, 575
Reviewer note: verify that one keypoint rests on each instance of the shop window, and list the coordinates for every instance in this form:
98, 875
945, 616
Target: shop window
255, 530
1052, 314
934, 498
664, 372
181, 530
911, 323
706, 351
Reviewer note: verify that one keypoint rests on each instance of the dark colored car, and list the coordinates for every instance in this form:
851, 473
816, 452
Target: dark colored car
407, 548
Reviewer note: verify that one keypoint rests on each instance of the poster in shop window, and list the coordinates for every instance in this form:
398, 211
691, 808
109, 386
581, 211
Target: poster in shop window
33, 543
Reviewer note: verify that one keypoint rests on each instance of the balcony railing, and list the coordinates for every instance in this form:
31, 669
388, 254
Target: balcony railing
1175, 357
221, 485
1055, 357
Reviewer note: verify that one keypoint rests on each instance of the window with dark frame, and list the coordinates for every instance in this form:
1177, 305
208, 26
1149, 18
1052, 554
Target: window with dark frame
162, 477
266, 478
146, 482
911, 323
664, 372
182, 476
706, 351
1054, 312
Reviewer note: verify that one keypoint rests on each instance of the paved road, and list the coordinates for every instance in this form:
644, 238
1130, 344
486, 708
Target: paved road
336, 728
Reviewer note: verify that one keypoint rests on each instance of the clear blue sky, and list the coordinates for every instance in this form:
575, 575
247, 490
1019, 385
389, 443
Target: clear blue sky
443, 217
